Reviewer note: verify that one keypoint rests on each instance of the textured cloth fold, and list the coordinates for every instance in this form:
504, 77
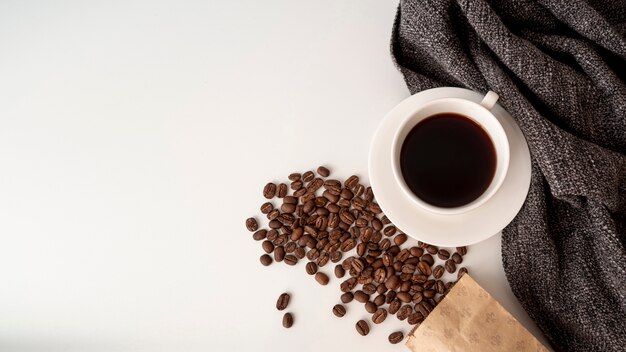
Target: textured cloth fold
559, 67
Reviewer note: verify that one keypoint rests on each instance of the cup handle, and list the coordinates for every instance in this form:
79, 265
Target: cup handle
490, 99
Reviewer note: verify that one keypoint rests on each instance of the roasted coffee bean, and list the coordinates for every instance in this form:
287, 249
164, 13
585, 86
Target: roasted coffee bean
361, 296
360, 249
424, 307
272, 215
389, 231
461, 272
358, 265
279, 253
299, 193
396, 337
403, 255
296, 185
400, 239
287, 320
419, 279
428, 259
443, 254
335, 255
415, 318
424, 268
290, 200
321, 278
272, 235
416, 251
351, 182
405, 297
267, 207
339, 310
369, 288
370, 307
359, 189
379, 315
268, 246
379, 300
283, 301
381, 289
438, 272
295, 176
379, 275
429, 284
429, 293
259, 235
456, 257
450, 266
408, 269
288, 208
290, 247
331, 197
347, 297
461, 250
346, 217
374, 208
313, 254
323, 171
282, 190
281, 240
299, 252
314, 185
339, 271
394, 306
323, 259
291, 259
266, 260
251, 224
432, 249
404, 312
369, 194
311, 268
308, 176
417, 297
440, 287
269, 191
392, 282
275, 224
362, 327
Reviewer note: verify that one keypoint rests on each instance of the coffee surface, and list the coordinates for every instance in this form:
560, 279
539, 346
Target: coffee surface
448, 160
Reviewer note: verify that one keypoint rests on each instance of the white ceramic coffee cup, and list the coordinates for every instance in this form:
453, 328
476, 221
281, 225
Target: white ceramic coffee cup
477, 112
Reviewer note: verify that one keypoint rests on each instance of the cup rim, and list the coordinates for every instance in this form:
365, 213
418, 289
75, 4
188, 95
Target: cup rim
495, 183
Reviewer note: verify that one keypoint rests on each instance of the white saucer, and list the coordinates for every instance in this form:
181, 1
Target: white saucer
448, 230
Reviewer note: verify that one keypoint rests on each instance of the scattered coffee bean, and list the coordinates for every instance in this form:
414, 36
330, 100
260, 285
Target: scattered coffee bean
424, 268
287, 320
279, 253
339, 310
321, 278
438, 272
370, 307
251, 224
266, 260
440, 287
267, 207
268, 246
362, 327
404, 312
415, 318
379, 316
428, 259
380, 299
283, 301
443, 254
311, 268
323, 171
461, 272
259, 235
282, 190
432, 249
347, 297
295, 176
269, 191
361, 296
404, 297
308, 176
450, 266
461, 250
339, 271
351, 182
456, 257
291, 259
400, 239
396, 337
394, 306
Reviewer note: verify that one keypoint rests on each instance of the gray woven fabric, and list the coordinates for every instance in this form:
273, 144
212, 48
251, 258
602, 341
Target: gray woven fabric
559, 67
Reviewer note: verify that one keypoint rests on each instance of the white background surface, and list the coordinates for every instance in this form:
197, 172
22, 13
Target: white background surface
135, 138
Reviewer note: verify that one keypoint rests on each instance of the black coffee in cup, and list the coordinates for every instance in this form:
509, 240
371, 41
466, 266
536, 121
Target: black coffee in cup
448, 160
